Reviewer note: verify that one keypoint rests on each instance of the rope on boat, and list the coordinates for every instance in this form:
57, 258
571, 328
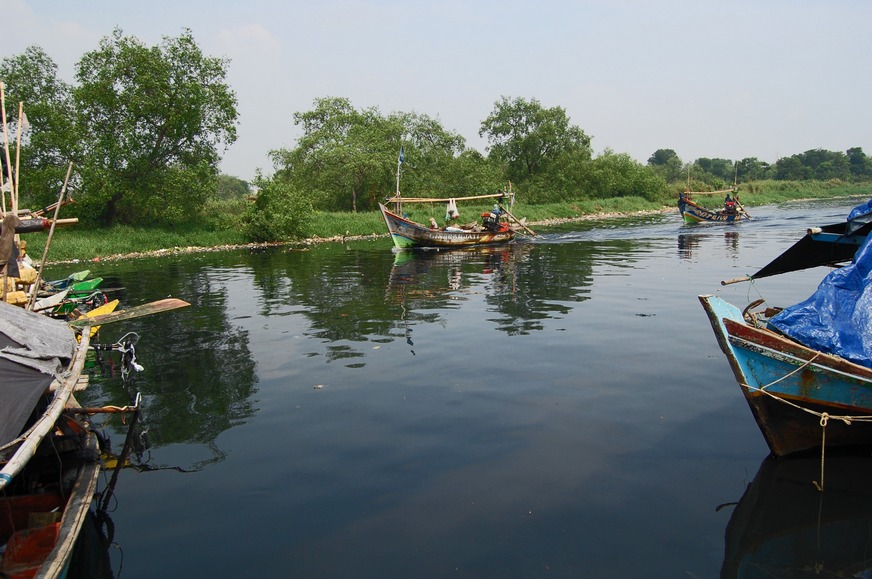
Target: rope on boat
824, 417
844, 418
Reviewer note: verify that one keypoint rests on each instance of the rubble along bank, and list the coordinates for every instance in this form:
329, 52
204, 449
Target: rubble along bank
306, 243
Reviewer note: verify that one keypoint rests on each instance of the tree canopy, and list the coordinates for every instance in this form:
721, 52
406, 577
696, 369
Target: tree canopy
143, 127
153, 119
347, 158
528, 137
50, 142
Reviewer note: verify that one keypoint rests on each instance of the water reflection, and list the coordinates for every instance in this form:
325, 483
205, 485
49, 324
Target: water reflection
199, 376
689, 243
522, 285
784, 527
731, 242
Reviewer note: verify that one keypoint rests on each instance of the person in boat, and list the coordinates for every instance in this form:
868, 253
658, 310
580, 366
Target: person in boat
729, 204
491, 221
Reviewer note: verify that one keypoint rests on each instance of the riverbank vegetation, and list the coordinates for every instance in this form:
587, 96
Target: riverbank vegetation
76, 243
144, 128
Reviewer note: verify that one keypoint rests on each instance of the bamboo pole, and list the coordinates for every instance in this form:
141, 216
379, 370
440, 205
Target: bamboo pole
518, 221
17, 157
5, 140
440, 200
32, 299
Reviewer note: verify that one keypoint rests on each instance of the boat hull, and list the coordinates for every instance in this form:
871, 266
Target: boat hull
693, 213
408, 234
791, 389
45, 544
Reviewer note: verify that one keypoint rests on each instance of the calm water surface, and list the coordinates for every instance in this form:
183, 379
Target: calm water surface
556, 407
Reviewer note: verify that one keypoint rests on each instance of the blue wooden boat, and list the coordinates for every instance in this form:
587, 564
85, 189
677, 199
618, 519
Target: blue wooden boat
789, 386
692, 212
806, 370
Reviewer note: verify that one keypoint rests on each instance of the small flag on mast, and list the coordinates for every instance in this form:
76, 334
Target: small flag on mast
402, 155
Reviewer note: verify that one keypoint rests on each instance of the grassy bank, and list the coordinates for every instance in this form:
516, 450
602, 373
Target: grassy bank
76, 242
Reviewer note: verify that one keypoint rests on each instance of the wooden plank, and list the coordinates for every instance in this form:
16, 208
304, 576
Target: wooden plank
131, 313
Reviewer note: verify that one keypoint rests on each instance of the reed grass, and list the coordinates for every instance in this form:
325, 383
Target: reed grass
79, 243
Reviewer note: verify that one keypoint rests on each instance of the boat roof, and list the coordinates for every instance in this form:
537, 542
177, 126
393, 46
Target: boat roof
829, 245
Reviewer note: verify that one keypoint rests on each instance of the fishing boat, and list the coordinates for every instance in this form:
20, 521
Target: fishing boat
497, 225
50, 459
692, 212
406, 233
49, 456
806, 370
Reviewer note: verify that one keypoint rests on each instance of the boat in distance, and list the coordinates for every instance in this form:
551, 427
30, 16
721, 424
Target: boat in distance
692, 212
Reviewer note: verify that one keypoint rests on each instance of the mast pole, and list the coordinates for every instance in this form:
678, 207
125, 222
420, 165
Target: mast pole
399, 203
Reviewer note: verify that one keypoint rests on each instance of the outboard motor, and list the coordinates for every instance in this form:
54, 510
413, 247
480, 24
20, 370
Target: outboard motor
490, 221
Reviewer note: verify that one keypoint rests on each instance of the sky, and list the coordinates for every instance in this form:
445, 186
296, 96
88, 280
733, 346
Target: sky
723, 79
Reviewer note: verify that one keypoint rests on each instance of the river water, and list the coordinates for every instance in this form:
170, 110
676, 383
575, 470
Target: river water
555, 407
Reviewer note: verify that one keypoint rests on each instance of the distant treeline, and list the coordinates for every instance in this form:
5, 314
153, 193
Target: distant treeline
818, 164
145, 128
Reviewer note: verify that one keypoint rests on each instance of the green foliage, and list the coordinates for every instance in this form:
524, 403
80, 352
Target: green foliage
565, 179
229, 188
667, 163
343, 154
151, 119
470, 173
721, 169
528, 138
861, 165
752, 169
347, 159
280, 212
815, 164
50, 143
618, 175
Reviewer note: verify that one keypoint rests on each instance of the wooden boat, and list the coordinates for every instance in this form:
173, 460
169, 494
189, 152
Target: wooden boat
406, 233
49, 457
493, 229
50, 465
692, 212
789, 386
78, 276
783, 526
805, 371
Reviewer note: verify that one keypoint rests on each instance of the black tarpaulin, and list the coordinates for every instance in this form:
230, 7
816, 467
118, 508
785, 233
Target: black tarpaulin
34, 350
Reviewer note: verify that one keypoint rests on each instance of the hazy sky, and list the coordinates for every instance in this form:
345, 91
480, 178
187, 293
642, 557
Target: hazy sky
727, 78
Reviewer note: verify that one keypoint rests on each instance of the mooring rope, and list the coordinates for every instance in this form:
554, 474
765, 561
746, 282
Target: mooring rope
824, 417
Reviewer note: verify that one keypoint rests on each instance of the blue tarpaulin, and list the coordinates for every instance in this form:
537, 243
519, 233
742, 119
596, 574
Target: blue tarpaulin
837, 318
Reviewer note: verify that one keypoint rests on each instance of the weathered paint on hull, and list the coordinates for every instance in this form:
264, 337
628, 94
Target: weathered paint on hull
693, 213
803, 385
408, 234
